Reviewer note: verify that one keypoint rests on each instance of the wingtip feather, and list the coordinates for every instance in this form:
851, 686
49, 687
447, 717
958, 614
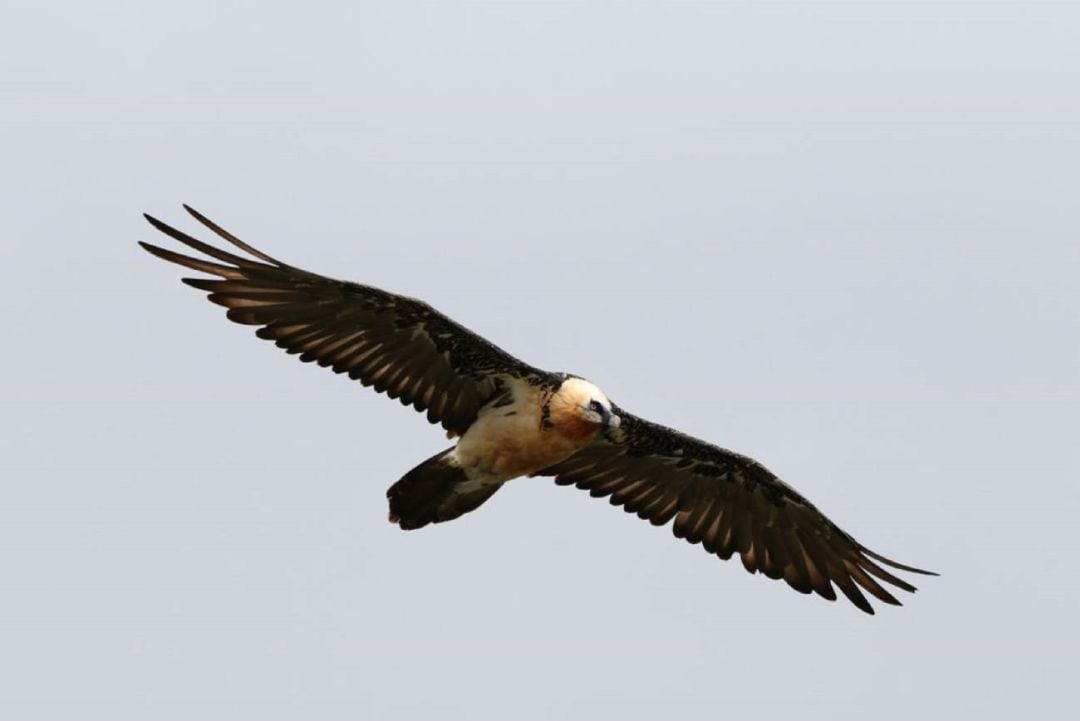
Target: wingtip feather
153, 221
894, 564
226, 235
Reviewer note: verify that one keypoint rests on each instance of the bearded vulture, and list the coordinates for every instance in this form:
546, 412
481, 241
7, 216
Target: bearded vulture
512, 420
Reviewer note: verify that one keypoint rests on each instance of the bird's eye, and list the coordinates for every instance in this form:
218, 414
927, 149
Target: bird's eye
595, 406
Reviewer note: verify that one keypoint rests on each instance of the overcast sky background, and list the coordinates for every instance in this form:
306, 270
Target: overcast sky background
843, 238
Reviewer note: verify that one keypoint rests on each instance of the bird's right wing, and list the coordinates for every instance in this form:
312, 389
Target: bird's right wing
401, 346
730, 504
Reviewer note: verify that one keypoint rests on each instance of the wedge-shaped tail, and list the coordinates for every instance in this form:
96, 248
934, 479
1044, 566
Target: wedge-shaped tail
435, 491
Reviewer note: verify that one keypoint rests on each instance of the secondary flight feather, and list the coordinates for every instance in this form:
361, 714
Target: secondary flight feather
511, 420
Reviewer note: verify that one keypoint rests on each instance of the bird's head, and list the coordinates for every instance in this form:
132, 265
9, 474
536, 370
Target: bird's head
579, 408
598, 411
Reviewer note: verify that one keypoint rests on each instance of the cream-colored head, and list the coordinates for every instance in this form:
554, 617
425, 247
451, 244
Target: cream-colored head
581, 410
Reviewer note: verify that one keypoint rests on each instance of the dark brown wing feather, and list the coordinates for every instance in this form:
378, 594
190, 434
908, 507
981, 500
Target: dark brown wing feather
730, 504
401, 346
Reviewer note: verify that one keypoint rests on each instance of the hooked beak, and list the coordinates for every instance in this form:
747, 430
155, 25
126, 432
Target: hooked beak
610, 419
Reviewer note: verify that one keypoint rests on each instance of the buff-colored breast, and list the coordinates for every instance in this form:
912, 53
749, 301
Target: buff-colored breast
514, 440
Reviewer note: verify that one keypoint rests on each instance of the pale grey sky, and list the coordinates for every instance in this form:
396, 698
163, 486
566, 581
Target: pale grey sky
839, 237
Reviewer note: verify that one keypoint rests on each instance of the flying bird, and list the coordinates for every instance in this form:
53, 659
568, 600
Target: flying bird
510, 419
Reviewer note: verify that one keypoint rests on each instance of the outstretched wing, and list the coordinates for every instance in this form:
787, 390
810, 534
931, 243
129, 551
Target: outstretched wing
730, 504
401, 346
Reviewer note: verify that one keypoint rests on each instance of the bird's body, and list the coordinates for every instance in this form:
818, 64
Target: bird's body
535, 428
527, 428
511, 419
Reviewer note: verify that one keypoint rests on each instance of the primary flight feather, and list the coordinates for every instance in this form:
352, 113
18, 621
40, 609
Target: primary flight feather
512, 420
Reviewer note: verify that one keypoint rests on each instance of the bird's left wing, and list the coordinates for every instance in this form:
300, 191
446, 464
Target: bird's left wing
730, 504
399, 345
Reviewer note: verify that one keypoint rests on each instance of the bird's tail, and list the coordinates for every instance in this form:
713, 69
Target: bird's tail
435, 491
